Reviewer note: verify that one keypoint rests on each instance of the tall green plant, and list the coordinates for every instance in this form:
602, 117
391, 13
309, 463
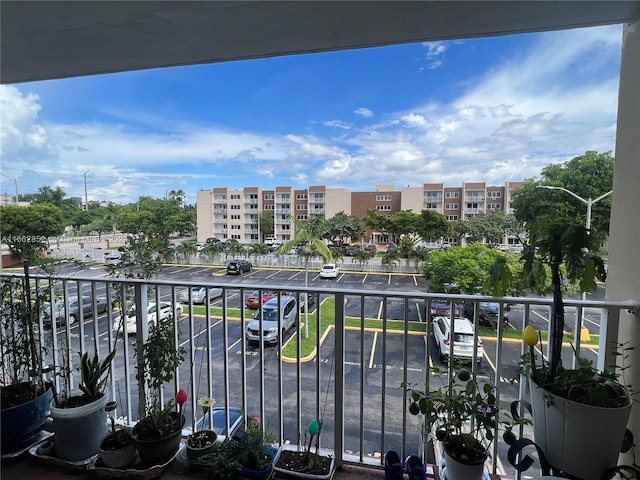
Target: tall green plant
550, 247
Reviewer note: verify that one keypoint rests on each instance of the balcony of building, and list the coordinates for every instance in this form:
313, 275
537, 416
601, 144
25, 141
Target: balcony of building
343, 361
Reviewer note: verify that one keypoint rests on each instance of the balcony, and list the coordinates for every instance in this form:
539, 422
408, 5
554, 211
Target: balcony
350, 374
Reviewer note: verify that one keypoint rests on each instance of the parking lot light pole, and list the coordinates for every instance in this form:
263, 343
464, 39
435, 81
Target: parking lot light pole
589, 203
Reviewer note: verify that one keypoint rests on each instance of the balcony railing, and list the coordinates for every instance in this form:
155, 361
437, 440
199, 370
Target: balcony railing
362, 344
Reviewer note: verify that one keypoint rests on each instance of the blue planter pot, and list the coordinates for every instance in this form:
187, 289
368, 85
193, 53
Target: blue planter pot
22, 424
249, 474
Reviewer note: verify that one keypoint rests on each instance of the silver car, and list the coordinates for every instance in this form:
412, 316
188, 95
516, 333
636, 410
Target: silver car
199, 294
275, 320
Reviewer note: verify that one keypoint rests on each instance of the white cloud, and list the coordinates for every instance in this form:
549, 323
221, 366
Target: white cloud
413, 119
337, 124
435, 50
363, 112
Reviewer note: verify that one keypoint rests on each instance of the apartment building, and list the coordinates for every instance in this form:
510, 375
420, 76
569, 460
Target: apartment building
227, 213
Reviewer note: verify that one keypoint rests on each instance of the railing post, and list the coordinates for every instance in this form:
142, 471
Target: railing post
338, 432
607, 345
142, 334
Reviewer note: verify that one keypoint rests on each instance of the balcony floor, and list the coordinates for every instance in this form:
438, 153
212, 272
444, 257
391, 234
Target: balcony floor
27, 467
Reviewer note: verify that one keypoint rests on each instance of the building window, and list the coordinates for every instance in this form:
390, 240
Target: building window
301, 217
268, 196
452, 218
235, 217
269, 207
431, 195
235, 207
494, 206
431, 206
383, 198
494, 194
383, 207
234, 196
235, 227
452, 195
301, 206
301, 196
451, 206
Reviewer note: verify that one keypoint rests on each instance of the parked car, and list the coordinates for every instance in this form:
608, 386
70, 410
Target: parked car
130, 316
372, 249
487, 312
329, 270
307, 301
238, 267
59, 311
463, 333
349, 250
199, 294
236, 421
253, 300
275, 320
442, 308
392, 247
212, 240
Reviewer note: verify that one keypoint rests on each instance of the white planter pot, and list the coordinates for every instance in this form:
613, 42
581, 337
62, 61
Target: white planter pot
79, 430
456, 470
580, 440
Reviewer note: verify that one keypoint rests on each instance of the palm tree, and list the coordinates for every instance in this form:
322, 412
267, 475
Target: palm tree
212, 249
187, 249
258, 249
390, 259
235, 249
308, 240
361, 256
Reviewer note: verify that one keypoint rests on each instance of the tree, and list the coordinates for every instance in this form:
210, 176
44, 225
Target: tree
342, 226
187, 249
257, 249
308, 240
362, 256
390, 259
234, 249
266, 224
433, 225
493, 227
588, 176
26, 230
466, 268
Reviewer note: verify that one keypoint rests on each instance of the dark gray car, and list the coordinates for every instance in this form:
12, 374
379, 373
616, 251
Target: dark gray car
59, 311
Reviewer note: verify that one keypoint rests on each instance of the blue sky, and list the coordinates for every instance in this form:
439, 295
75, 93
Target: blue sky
494, 109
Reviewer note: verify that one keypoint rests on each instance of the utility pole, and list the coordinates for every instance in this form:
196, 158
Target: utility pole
15, 183
86, 198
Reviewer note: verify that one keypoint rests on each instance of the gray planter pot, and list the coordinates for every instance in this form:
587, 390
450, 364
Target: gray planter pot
79, 430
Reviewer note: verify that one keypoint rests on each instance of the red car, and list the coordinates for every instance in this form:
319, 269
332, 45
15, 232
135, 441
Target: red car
253, 299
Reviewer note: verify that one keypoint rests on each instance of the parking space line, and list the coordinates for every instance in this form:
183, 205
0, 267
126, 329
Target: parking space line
380, 310
415, 280
365, 277
273, 274
419, 313
295, 274
373, 349
389, 281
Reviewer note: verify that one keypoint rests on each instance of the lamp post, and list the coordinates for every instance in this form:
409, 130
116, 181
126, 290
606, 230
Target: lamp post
589, 203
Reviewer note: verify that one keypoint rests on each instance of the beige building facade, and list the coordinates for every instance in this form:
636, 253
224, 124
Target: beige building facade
227, 213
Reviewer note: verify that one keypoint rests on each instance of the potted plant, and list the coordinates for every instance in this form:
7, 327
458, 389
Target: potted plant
202, 442
464, 417
117, 449
246, 454
559, 394
158, 432
25, 392
295, 463
79, 415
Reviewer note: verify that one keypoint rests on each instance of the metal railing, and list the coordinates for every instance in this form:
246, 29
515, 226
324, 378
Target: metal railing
362, 344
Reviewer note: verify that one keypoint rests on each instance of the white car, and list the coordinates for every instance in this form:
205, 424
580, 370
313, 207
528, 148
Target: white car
462, 338
130, 316
329, 270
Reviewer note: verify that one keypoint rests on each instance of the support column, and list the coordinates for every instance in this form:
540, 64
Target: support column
624, 256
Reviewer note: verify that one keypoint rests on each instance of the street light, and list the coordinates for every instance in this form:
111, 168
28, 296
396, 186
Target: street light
589, 203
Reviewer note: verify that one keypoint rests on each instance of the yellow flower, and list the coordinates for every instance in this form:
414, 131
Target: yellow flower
530, 336
206, 403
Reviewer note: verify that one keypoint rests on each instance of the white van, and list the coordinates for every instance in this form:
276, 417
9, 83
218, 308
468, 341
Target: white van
463, 334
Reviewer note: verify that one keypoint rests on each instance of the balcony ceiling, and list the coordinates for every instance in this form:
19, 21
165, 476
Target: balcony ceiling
59, 39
